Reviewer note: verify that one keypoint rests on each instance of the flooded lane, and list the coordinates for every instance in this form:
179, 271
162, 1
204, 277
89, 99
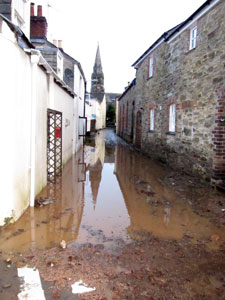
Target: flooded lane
108, 193
127, 229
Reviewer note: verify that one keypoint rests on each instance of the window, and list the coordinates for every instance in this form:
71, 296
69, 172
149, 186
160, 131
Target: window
150, 66
193, 38
59, 64
19, 7
172, 117
152, 119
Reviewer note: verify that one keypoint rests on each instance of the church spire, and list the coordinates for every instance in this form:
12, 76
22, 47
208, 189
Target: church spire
97, 77
98, 63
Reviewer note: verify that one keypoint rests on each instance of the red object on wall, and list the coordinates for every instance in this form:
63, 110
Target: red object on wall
58, 132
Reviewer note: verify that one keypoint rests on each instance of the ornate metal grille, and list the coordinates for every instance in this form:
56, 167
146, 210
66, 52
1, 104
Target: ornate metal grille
54, 145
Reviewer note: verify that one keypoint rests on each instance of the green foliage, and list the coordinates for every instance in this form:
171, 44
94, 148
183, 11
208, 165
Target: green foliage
111, 113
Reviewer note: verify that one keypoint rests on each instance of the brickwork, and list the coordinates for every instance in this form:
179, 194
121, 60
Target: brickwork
192, 80
219, 138
38, 27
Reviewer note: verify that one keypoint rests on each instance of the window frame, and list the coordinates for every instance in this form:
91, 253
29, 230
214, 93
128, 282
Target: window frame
151, 66
172, 118
152, 119
193, 38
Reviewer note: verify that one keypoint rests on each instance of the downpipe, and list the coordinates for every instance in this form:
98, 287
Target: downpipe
35, 58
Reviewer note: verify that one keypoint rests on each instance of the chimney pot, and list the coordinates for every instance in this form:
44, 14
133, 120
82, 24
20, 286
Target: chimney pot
32, 9
60, 44
55, 42
39, 12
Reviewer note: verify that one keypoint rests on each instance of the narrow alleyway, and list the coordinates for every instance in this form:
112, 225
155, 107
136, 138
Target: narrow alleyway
126, 226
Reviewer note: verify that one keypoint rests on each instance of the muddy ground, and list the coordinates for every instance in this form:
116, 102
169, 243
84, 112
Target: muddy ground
147, 267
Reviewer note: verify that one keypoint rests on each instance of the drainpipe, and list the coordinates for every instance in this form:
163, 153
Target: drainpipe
35, 56
85, 91
36, 59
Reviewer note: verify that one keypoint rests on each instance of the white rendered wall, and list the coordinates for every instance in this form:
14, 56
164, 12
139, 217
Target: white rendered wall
27, 91
63, 102
15, 123
20, 14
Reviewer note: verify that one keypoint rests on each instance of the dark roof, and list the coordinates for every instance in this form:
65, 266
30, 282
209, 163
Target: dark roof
43, 41
74, 61
51, 45
98, 96
168, 34
22, 40
133, 82
111, 97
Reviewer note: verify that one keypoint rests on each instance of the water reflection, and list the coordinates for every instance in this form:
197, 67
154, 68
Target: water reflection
105, 216
46, 226
107, 194
154, 207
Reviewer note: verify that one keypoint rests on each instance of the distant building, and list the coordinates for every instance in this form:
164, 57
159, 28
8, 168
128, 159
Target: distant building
96, 100
175, 111
111, 98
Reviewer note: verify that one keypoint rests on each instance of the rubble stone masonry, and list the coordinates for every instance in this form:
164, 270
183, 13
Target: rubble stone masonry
194, 81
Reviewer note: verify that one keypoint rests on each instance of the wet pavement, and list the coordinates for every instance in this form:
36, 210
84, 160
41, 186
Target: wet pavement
131, 229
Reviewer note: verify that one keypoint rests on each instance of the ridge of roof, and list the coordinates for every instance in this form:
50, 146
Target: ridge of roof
133, 82
17, 30
168, 34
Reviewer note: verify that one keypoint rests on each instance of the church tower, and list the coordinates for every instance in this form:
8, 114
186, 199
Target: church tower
97, 77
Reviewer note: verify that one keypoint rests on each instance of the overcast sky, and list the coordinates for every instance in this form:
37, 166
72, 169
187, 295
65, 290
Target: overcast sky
123, 28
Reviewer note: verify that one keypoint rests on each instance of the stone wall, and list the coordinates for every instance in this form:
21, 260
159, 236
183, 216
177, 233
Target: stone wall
125, 114
190, 79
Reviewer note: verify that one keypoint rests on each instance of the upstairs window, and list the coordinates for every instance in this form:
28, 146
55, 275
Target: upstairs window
151, 66
59, 65
172, 118
152, 119
19, 7
193, 38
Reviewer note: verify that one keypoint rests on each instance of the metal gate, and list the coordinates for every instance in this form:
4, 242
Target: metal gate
54, 145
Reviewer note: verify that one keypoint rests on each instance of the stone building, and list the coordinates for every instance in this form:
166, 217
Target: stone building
126, 113
176, 110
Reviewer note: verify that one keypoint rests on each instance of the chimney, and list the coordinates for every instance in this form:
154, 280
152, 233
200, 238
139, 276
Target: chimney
39, 11
60, 44
32, 9
55, 42
38, 24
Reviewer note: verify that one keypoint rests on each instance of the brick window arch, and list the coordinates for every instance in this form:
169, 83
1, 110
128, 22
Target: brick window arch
127, 116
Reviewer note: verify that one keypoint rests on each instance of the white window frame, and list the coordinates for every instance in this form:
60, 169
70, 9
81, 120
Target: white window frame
151, 66
172, 118
152, 119
59, 64
193, 38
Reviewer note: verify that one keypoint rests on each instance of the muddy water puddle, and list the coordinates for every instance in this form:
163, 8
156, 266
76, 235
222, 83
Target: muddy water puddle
109, 194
